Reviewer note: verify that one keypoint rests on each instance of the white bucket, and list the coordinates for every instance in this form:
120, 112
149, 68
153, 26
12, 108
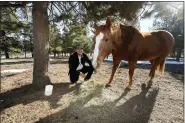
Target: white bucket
48, 90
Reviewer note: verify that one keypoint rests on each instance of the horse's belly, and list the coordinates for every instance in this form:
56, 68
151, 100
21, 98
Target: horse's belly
149, 55
147, 58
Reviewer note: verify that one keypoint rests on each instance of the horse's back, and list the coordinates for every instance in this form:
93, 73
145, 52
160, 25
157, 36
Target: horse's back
161, 37
166, 38
155, 43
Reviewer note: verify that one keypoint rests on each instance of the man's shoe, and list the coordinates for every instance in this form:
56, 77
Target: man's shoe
72, 83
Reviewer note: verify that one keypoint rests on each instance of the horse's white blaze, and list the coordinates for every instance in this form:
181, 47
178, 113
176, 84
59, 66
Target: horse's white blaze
96, 49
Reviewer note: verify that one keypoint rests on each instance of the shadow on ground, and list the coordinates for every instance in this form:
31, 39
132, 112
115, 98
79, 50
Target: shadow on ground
28, 94
9, 75
16, 62
137, 109
175, 70
55, 61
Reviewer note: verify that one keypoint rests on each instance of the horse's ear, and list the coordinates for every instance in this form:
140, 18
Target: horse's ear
108, 22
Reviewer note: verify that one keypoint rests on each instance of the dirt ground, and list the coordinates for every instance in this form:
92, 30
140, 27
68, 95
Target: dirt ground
90, 101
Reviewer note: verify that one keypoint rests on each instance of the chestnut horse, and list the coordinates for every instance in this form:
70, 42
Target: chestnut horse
128, 43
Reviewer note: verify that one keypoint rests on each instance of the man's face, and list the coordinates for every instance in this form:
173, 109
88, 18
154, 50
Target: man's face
79, 51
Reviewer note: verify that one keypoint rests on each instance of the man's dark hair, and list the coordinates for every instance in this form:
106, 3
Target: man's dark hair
79, 46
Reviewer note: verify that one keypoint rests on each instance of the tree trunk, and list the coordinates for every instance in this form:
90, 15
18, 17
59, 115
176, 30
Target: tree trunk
178, 54
32, 52
25, 51
6, 51
54, 54
0, 35
41, 44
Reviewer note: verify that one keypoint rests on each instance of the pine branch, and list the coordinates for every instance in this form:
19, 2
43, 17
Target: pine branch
57, 7
16, 5
139, 14
148, 9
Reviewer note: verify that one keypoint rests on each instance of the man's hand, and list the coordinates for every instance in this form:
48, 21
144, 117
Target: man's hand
82, 75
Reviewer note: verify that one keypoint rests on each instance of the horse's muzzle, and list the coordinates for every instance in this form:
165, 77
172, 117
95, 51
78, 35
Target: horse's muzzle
97, 65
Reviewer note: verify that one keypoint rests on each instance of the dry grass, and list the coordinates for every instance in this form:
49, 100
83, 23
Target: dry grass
90, 101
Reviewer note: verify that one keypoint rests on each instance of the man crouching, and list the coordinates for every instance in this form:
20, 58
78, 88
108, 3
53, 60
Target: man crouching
79, 65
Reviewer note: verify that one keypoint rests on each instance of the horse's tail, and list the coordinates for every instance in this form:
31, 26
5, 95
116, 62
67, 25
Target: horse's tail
162, 66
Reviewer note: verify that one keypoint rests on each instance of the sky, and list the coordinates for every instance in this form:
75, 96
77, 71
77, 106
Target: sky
145, 24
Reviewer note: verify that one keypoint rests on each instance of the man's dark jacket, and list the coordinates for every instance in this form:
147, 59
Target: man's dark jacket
74, 61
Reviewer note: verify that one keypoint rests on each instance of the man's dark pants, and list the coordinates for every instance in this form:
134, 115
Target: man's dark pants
74, 75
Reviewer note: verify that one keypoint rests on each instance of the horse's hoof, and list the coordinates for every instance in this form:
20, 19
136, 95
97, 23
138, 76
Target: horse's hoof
107, 85
128, 87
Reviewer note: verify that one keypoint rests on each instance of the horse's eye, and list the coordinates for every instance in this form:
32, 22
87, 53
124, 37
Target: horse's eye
106, 39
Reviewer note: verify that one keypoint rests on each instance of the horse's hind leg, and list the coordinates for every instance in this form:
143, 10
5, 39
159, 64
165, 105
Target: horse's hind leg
153, 69
132, 65
116, 63
152, 62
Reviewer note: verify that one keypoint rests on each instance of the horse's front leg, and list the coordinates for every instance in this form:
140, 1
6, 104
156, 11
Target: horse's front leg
132, 65
116, 63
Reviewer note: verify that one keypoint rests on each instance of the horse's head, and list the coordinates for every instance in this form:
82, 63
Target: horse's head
102, 43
